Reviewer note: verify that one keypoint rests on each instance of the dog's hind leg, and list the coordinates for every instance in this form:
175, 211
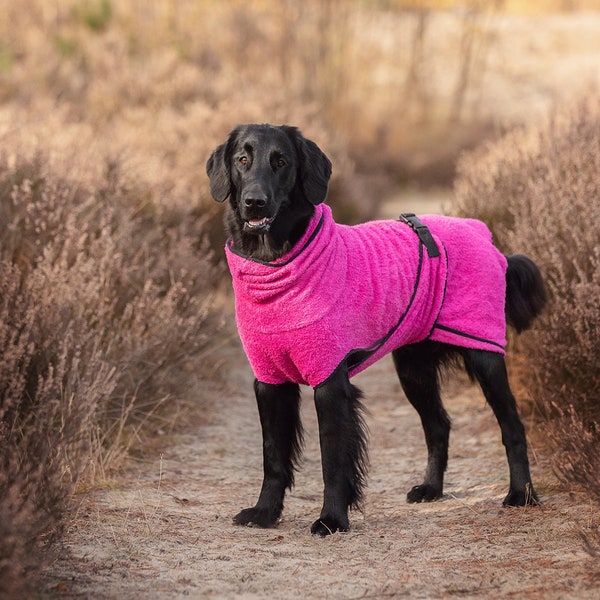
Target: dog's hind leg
417, 368
343, 439
490, 371
279, 411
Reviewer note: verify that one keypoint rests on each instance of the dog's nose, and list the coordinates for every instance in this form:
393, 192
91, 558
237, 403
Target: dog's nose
255, 200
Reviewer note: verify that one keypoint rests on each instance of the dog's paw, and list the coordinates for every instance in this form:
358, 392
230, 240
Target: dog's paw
328, 525
526, 497
423, 493
258, 517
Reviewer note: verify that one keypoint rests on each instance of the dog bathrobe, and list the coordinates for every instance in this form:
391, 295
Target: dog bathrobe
355, 293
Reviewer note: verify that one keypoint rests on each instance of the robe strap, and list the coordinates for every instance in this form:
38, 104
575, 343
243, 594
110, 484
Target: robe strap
423, 232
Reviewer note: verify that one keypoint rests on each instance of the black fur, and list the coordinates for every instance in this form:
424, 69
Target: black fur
272, 177
279, 410
525, 292
343, 439
283, 177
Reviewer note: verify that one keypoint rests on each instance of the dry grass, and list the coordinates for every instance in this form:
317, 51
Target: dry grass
539, 190
105, 312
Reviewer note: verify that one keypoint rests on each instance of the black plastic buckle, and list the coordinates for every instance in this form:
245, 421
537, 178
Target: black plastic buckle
423, 232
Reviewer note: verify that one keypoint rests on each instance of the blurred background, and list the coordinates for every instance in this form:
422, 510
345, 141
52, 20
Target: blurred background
114, 301
392, 90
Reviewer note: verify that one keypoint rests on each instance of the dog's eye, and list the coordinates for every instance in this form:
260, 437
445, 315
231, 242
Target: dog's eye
280, 163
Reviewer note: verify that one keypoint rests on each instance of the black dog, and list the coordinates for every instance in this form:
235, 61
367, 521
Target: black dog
274, 178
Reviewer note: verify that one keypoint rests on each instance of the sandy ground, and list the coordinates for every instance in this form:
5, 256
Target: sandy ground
166, 531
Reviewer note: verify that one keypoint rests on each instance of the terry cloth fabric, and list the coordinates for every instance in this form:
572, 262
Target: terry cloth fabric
356, 293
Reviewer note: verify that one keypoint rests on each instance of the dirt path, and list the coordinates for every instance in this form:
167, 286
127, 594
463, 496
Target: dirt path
167, 532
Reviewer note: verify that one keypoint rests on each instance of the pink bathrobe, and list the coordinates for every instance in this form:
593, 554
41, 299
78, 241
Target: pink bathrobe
355, 293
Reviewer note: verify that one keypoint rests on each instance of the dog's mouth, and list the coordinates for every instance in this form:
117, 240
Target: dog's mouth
258, 225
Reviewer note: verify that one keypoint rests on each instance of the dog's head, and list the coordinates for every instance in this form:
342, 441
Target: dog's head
271, 175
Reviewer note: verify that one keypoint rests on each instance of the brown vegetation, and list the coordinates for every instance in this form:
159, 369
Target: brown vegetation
539, 190
108, 111
106, 298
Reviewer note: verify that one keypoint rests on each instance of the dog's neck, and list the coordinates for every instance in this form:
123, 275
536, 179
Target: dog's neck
283, 234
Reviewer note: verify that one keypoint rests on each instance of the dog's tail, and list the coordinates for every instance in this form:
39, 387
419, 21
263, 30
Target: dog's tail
525, 292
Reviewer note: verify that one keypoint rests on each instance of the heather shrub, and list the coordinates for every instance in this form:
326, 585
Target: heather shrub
48, 401
105, 310
539, 190
398, 86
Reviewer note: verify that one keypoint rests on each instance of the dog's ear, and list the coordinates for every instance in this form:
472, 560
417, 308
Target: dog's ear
315, 167
217, 168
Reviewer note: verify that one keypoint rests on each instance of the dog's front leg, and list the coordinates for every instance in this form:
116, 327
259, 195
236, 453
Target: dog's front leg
279, 411
343, 438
